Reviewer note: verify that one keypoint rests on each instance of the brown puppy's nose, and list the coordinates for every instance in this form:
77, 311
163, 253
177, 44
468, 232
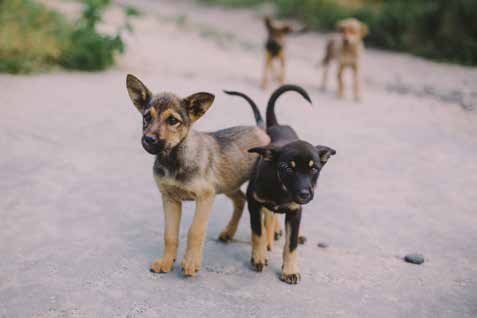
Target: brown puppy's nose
149, 139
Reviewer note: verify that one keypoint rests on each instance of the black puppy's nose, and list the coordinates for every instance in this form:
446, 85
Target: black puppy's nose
304, 194
149, 139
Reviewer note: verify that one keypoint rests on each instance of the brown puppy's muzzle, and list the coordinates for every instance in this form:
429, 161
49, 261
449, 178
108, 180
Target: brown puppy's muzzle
152, 145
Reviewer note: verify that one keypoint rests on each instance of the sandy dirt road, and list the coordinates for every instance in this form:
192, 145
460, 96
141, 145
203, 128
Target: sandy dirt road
81, 219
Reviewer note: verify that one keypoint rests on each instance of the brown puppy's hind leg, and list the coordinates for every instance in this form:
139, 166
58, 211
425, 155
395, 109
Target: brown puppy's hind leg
278, 228
238, 199
172, 219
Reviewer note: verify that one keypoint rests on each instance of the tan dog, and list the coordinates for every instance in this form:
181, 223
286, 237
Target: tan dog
274, 48
193, 166
347, 50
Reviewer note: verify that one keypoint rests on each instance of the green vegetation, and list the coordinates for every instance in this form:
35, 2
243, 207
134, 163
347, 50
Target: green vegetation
31, 37
438, 29
35, 38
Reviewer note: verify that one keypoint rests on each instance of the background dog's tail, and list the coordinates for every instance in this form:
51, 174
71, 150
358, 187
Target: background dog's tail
271, 118
256, 111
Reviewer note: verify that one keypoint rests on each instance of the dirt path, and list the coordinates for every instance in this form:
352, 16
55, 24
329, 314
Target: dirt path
81, 219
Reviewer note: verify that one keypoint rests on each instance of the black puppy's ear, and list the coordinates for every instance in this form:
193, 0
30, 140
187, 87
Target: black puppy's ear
268, 152
197, 104
325, 153
138, 92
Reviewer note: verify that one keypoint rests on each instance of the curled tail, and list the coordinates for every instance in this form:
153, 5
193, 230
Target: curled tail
271, 118
256, 111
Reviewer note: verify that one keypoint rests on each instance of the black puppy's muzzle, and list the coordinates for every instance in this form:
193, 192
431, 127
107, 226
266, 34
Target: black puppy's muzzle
152, 144
304, 196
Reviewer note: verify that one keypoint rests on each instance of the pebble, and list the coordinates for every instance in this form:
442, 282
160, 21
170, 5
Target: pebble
322, 245
417, 259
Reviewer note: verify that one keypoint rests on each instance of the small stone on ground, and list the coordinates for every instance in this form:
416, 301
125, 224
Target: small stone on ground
417, 259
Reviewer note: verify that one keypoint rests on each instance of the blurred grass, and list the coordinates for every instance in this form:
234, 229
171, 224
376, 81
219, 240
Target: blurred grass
438, 29
31, 36
35, 38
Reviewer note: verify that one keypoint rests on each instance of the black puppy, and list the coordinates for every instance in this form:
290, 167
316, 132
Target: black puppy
284, 179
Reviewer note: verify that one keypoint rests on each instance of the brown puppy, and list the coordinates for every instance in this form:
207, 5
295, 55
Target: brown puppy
347, 50
274, 48
193, 166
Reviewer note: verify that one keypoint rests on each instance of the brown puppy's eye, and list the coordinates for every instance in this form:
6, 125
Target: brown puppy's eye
171, 120
146, 119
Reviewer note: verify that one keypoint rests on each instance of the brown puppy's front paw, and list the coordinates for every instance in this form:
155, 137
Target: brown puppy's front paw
258, 265
163, 265
190, 264
278, 234
225, 237
301, 239
291, 279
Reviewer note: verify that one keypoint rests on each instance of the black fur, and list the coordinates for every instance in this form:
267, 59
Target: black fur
271, 118
256, 111
293, 220
286, 172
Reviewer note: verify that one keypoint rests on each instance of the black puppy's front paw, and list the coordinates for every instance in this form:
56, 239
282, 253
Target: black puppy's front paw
259, 265
291, 279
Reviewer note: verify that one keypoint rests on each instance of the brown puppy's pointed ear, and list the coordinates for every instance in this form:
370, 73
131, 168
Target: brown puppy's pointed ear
268, 153
325, 153
138, 92
197, 104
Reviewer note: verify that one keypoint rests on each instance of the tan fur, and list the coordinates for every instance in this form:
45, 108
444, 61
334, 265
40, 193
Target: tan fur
193, 166
290, 272
259, 246
346, 49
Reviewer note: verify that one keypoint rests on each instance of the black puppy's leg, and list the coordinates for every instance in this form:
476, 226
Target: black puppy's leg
290, 272
270, 219
259, 252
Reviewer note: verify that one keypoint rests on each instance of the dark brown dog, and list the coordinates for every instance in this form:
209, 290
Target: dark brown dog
191, 165
274, 48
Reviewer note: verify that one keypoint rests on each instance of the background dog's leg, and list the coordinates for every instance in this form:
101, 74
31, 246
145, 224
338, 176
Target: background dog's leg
290, 273
278, 228
270, 227
259, 253
195, 240
340, 81
356, 84
324, 78
172, 220
281, 59
238, 199
266, 70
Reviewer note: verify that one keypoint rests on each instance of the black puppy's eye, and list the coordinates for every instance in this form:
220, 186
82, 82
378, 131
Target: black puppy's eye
171, 120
